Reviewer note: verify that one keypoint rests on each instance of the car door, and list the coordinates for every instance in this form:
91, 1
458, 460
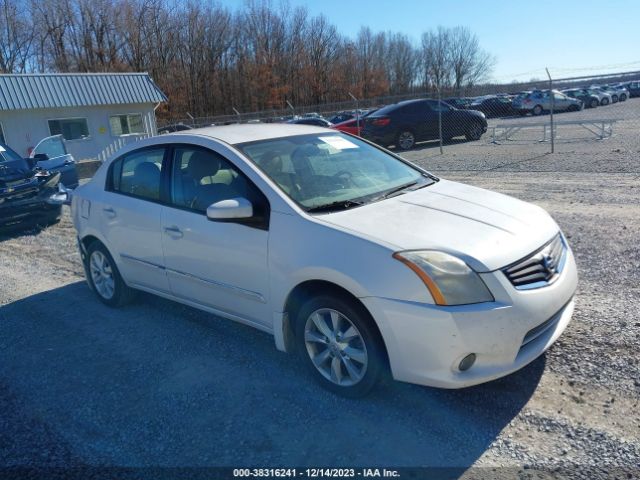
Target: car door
130, 212
218, 264
51, 154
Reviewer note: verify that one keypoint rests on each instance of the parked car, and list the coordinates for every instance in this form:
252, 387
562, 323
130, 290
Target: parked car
405, 123
605, 98
622, 91
539, 101
51, 154
352, 257
493, 105
25, 192
317, 121
633, 88
613, 94
352, 126
174, 127
588, 98
458, 102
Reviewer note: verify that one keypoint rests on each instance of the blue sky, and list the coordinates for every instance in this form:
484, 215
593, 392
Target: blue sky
571, 37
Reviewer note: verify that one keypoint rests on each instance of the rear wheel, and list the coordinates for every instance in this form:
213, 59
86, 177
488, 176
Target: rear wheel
339, 345
614, 98
593, 103
104, 278
537, 110
623, 97
406, 140
604, 101
573, 108
474, 132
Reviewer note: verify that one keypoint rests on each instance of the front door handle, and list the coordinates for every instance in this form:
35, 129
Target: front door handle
174, 232
109, 212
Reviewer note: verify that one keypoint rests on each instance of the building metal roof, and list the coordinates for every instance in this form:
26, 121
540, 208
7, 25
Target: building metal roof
55, 90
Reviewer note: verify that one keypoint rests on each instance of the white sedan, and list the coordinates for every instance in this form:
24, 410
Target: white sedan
353, 258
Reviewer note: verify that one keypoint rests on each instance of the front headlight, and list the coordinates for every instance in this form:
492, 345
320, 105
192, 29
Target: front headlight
449, 279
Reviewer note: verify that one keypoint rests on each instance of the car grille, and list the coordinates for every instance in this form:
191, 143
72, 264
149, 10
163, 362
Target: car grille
539, 269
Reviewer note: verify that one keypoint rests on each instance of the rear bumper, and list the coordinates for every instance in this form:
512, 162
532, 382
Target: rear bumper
426, 343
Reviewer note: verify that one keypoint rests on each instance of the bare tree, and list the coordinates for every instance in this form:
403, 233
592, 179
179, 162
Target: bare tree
469, 63
16, 37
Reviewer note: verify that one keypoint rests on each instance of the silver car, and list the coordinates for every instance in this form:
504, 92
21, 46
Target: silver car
540, 101
613, 94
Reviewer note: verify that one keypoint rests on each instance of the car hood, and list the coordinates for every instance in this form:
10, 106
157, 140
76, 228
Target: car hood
12, 170
487, 230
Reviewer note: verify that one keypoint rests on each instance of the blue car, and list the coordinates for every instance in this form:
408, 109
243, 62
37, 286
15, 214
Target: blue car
25, 191
51, 154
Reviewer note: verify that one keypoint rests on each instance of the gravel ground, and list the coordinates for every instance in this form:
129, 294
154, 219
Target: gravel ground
160, 384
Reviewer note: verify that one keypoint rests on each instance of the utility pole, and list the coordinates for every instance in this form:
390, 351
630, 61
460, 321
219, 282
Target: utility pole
553, 147
357, 113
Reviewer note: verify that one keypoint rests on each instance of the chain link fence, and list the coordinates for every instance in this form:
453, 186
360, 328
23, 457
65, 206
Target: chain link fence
596, 115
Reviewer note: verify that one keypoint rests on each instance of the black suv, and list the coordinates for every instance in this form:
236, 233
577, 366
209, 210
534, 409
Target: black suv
405, 123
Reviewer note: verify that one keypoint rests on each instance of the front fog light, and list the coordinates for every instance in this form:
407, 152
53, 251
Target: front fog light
467, 362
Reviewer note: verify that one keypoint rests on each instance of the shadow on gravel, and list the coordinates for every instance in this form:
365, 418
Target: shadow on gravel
160, 384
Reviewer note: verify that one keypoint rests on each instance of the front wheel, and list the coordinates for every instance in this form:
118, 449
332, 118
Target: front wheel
339, 345
594, 103
406, 140
537, 110
474, 132
623, 97
604, 101
104, 278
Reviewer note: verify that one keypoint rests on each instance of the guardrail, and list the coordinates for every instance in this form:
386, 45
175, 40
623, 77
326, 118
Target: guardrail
601, 128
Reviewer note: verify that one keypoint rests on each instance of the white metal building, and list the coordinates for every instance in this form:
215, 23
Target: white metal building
95, 112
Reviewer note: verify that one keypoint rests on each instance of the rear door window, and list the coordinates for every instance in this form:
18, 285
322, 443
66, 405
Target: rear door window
138, 174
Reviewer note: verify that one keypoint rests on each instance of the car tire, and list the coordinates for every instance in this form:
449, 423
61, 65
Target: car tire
604, 101
104, 277
623, 97
474, 132
348, 366
573, 108
594, 103
537, 110
614, 99
405, 140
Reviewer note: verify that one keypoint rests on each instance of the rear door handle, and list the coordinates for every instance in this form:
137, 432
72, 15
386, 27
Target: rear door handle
109, 212
174, 232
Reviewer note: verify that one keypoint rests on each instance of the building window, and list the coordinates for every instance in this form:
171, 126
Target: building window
2, 135
69, 128
126, 124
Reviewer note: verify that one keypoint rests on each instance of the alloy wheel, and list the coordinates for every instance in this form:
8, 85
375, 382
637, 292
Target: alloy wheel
406, 140
336, 347
102, 275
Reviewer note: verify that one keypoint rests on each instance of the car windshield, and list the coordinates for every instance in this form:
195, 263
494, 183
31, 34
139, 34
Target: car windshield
332, 171
8, 155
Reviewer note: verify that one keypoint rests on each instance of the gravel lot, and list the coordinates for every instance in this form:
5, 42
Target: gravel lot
160, 384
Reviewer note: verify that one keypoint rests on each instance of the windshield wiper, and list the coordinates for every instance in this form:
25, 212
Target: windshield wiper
394, 191
339, 205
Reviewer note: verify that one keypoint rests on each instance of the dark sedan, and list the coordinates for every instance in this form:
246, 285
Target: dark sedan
24, 192
316, 121
494, 106
405, 123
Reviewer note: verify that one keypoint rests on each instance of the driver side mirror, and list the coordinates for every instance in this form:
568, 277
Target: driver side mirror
232, 209
39, 157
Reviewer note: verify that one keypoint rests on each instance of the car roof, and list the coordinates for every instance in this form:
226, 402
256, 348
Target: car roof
242, 133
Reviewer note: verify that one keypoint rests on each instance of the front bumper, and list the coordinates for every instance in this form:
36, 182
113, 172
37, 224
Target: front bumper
426, 342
